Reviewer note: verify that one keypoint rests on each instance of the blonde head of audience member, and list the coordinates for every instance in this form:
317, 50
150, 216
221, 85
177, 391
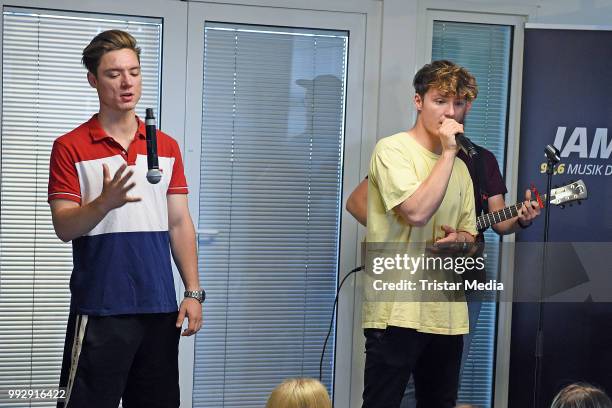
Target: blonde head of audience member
581, 395
299, 393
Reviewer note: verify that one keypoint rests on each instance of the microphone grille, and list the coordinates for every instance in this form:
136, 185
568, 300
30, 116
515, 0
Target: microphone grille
154, 176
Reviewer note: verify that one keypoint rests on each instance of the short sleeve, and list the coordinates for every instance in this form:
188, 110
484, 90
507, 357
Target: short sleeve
467, 218
394, 175
178, 182
495, 181
63, 176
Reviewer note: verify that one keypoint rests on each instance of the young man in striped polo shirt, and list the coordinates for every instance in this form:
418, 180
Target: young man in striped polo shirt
124, 324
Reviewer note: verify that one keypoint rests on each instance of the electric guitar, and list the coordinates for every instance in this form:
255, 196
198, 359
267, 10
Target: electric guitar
569, 193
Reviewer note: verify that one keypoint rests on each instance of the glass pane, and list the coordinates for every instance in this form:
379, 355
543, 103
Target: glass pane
271, 167
484, 49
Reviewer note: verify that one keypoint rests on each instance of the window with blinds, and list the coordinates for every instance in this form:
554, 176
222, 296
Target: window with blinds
485, 50
271, 170
45, 94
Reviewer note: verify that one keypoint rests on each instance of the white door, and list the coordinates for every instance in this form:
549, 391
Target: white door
273, 145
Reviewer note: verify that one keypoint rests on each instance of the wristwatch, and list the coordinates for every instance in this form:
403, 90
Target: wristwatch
199, 295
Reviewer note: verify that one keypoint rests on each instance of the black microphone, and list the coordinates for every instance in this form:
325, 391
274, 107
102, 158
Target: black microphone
466, 145
153, 175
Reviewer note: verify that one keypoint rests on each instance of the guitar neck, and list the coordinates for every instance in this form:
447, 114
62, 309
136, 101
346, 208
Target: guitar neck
486, 220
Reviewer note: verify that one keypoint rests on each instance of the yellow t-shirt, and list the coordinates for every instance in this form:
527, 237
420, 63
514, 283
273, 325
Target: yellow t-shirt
398, 166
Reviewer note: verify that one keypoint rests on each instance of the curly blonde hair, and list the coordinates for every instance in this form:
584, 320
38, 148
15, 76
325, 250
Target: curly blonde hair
448, 78
299, 393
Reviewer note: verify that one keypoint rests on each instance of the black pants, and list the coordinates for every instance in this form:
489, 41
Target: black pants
395, 353
134, 357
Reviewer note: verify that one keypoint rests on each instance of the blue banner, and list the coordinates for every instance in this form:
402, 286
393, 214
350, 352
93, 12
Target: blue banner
567, 102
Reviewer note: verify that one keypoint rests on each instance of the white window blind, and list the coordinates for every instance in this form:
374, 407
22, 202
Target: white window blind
485, 50
45, 94
271, 170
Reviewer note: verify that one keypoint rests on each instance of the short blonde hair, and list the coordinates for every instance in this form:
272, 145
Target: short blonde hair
299, 393
581, 395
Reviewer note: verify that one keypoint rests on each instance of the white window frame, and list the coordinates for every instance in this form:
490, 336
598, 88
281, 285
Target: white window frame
515, 16
171, 118
360, 130
174, 15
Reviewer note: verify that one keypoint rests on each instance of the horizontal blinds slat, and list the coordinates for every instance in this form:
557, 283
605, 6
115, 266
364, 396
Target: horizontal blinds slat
45, 94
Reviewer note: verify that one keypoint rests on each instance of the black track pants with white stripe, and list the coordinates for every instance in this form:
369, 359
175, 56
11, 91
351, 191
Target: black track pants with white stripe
129, 357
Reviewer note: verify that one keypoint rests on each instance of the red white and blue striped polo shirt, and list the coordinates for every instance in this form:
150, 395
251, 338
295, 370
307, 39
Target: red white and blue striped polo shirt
122, 266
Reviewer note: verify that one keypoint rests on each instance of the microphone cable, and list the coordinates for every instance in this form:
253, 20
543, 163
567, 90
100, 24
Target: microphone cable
331, 322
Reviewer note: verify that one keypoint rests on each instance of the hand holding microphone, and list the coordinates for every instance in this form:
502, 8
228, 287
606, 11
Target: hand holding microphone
447, 130
153, 175
466, 145
452, 137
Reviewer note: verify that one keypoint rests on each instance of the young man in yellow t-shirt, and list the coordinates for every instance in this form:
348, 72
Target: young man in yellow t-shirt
419, 193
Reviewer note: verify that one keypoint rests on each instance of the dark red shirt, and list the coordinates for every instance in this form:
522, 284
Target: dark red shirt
493, 179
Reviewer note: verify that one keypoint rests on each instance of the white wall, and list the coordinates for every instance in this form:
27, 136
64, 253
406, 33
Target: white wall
582, 12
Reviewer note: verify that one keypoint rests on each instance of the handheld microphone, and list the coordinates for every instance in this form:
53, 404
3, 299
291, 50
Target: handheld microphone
153, 175
466, 145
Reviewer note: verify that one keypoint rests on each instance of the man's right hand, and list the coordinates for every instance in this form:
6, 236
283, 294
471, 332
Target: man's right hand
115, 190
447, 131
72, 220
